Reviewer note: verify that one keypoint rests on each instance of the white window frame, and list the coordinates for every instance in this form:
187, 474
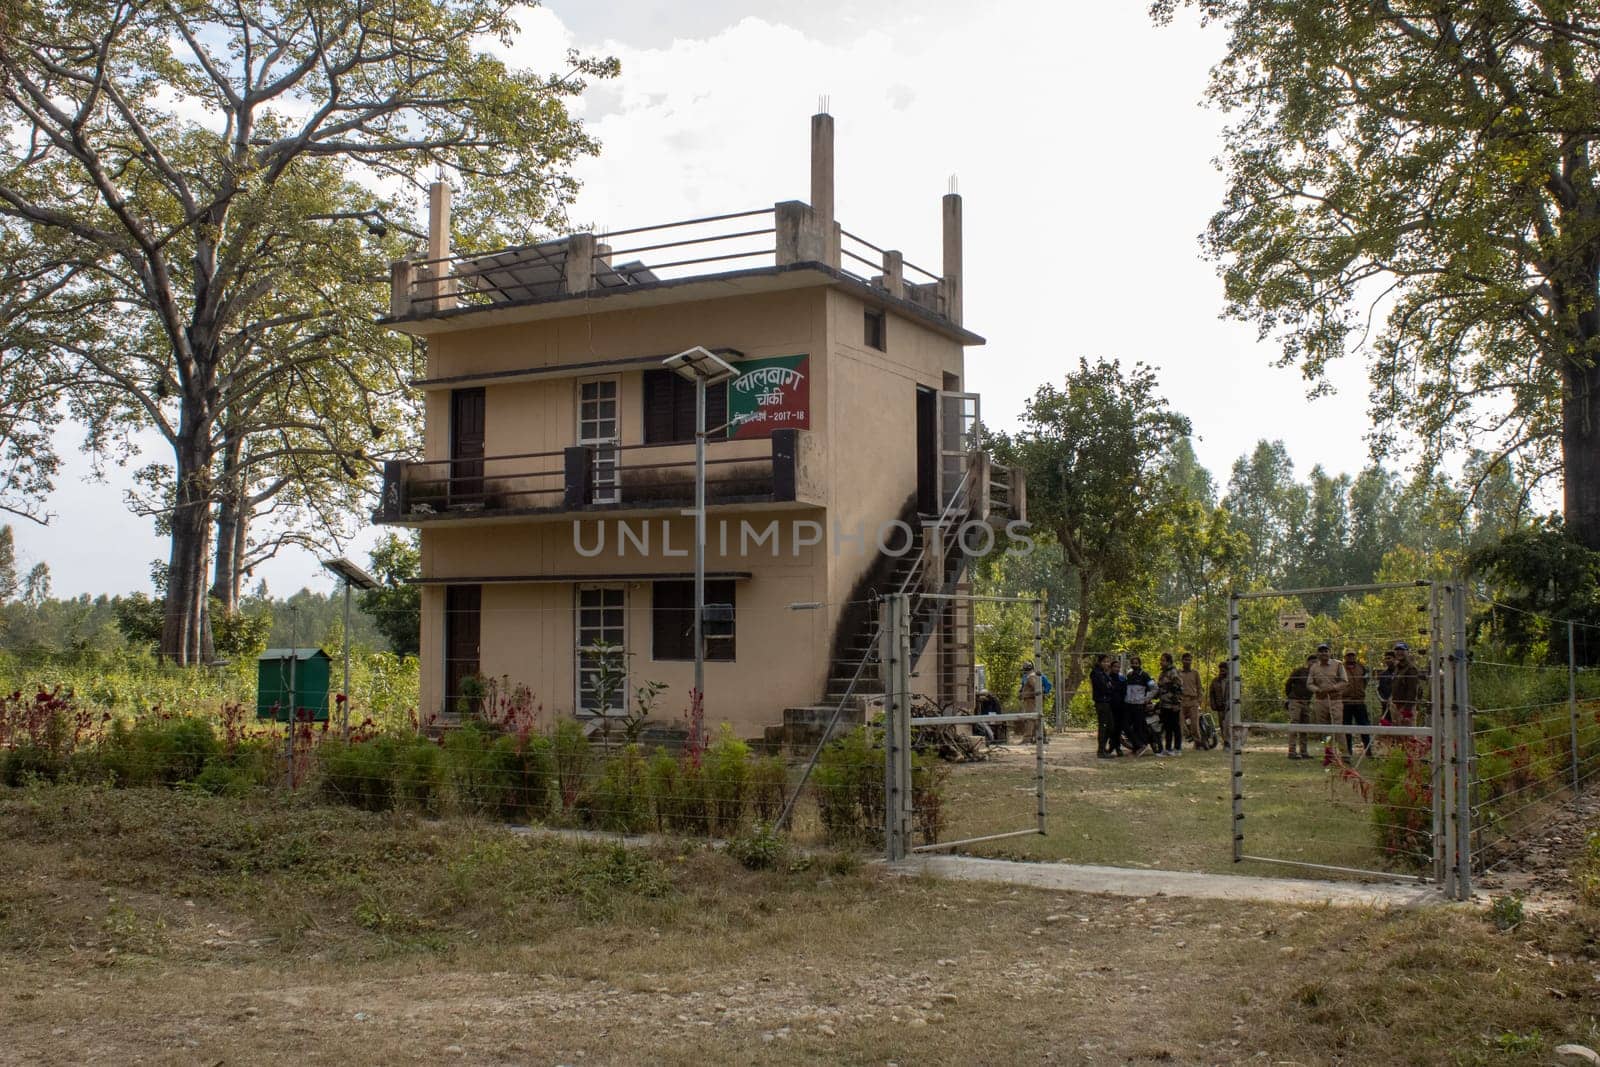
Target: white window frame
607, 460
580, 648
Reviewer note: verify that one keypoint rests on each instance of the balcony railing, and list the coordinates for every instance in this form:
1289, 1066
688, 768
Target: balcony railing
597, 476
786, 233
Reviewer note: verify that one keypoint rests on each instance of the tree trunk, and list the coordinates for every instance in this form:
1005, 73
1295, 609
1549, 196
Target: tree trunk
1080, 637
1580, 451
186, 631
230, 530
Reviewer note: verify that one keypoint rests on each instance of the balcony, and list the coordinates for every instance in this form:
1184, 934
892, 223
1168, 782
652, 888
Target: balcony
779, 470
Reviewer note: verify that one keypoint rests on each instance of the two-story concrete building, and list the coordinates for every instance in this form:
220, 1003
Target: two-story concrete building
558, 460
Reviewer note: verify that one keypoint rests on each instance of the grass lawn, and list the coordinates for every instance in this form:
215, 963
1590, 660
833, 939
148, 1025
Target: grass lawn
1167, 813
168, 927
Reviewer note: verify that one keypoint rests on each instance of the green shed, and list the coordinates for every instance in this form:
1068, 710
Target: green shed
304, 670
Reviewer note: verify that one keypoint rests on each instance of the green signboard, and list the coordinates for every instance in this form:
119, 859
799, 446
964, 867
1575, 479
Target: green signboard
770, 394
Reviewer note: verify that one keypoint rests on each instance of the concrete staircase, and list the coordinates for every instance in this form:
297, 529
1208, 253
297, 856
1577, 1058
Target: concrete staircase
855, 676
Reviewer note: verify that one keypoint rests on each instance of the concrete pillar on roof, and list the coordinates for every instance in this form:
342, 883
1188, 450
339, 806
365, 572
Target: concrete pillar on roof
952, 256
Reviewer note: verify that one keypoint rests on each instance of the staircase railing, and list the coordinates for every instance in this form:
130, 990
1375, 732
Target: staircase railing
946, 518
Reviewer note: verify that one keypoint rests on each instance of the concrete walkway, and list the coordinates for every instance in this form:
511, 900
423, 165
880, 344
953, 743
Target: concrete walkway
1130, 882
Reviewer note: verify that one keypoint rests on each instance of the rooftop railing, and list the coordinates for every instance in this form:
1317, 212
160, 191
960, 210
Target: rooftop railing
621, 259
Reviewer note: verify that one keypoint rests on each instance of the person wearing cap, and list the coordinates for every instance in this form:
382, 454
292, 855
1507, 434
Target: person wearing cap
1355, 702
1029, 689
1328, 682
1102, 687
1297, 702
1189, 679
1405, 690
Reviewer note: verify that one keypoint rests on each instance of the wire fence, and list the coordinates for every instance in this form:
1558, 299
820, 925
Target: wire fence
1535, 733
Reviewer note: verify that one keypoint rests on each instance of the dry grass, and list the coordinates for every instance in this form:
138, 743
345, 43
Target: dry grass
171, 928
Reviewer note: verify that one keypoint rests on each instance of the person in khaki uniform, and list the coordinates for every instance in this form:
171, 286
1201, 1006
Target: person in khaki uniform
1029, 690
1328, 682
1192, 689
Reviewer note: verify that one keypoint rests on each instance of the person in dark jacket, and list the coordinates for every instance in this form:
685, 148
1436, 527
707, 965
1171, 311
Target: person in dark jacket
1385, 678
1355, 702
1406, 688
1297, 700
1104, 693
1219, 696
1169, 703
1139, 689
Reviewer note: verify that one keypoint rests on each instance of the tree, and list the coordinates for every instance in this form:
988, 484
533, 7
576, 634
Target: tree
198, 181
1268, 506
36, 586
8, 565
1093, 455
1421, 176
396, 606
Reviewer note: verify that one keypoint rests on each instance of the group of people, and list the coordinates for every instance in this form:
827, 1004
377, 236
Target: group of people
1123, 701
1323, 690
1326, 690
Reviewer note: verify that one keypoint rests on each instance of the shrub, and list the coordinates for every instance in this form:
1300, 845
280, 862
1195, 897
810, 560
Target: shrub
677, 791
769, 787
849, 788
727, 767
760, 849
361, 774
1402, 804
928, 777
166, 751
1586, 871
620, 801
470, 763
519, 777
569, 749
419, 775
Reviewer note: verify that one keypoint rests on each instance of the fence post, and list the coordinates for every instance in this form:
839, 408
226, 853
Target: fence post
896, 728
1463, 768
1572, 700
1061, 710
1233, 729
1442, 786
1038, 727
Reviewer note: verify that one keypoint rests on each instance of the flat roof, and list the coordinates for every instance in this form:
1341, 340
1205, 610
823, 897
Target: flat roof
674, 291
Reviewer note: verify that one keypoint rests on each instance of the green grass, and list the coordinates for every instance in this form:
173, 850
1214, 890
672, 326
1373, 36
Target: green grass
1162, 813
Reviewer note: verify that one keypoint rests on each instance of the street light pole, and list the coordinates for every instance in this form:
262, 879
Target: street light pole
352, 576
705, 368
699, 538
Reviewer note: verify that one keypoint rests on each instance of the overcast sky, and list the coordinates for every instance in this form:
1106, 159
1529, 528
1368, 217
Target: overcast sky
1083, 156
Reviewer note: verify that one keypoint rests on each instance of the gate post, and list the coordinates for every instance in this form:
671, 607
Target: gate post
896, 651
1572, 702
1440, 742
1234, 731
1464, 758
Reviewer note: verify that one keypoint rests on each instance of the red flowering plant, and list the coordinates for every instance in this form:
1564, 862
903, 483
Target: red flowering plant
510, 708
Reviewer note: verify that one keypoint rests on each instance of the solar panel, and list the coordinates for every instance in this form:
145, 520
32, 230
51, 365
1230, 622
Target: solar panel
537, 272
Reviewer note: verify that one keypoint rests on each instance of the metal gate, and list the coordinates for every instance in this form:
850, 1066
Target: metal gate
1446, 738
898, 637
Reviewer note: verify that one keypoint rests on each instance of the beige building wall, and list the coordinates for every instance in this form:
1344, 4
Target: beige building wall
862, 442
529, 629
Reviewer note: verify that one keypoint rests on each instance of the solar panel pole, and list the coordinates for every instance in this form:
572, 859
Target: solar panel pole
344, 724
